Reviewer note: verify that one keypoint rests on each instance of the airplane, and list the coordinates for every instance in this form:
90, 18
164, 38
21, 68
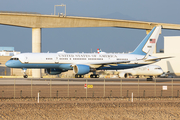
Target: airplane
83, 63
147, 70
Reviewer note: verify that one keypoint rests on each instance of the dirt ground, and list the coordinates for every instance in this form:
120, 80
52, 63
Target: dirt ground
90, 109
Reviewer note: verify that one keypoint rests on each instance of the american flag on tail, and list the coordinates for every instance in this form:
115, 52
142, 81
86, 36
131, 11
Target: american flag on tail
152, 40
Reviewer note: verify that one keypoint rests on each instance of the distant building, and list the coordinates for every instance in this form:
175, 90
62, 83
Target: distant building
171, 48
8, 51
5, 54
6, 48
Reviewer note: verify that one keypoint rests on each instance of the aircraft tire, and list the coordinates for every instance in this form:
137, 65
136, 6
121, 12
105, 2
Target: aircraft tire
79, 76
91, 76
96, 76
149, 79
25, 76
76, 76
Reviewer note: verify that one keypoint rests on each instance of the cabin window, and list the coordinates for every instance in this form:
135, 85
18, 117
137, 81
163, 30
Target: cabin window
122, 59
48, 58
95, 58
63, 58
79, 58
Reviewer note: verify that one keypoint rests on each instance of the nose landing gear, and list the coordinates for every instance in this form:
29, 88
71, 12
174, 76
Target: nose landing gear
25, 75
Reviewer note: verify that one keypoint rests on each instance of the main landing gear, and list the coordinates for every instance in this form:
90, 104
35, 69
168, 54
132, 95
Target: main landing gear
94, 76
25, 75
150, 78
79, 76
91, 76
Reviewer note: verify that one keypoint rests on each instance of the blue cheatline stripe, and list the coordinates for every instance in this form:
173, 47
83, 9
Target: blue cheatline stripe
138, 50
18, 64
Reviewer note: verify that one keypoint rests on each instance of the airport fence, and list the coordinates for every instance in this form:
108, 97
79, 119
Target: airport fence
5, 71
89, 88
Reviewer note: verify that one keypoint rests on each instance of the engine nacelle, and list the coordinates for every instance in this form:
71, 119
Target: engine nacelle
53, 71
81, 69
123, 75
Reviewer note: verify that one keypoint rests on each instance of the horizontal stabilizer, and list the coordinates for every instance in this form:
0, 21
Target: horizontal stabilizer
155, 59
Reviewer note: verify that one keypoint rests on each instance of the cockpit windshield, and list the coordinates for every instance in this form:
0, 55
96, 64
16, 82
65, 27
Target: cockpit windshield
158, 68
14, 59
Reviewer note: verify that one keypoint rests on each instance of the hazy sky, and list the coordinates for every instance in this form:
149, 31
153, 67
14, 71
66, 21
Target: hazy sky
85, 39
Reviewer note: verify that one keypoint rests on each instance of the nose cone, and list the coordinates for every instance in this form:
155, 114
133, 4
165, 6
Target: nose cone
160, 72
13, 64
8, 63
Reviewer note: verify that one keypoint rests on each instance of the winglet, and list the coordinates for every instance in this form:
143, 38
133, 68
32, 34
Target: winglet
149, 42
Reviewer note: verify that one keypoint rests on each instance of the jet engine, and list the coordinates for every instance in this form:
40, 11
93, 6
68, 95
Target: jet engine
123, 75
53, 71
81, 69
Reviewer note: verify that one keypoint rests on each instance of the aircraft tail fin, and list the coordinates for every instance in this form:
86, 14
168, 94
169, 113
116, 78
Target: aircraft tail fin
149, 42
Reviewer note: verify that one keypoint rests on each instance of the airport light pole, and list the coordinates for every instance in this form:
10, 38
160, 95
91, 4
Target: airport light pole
61, 6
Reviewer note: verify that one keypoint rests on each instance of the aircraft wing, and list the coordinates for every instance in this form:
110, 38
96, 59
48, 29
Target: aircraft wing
107, 64
155, 59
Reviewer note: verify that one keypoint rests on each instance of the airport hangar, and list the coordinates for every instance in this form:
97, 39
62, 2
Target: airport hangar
38, 21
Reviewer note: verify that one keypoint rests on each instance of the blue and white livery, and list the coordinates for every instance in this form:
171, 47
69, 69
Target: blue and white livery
83, 63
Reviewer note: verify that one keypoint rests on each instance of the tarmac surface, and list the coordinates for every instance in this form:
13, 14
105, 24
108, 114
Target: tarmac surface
94, 81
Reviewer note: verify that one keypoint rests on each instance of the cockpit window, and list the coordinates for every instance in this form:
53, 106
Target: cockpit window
14, 59
157, 68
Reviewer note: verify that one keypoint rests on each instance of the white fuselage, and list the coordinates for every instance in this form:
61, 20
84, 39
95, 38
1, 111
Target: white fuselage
147, 70
91, 59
